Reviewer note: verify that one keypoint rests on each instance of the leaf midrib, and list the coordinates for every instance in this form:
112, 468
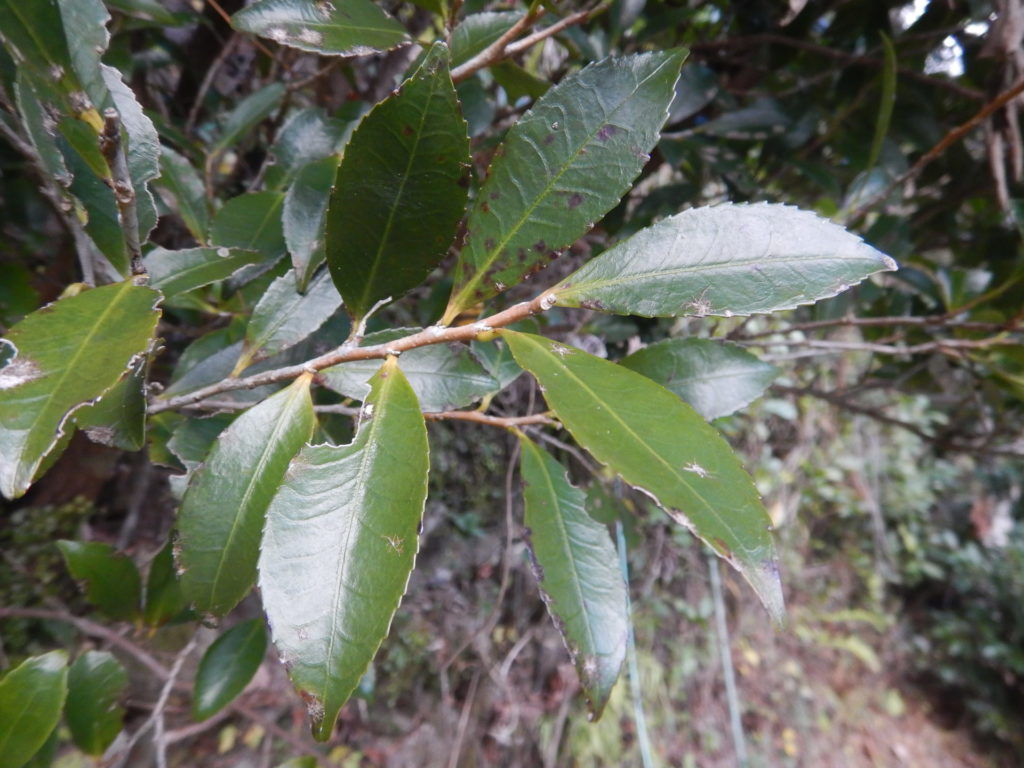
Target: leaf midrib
567, 549
680, 478
282, 420
713, 267
366, 298
495, 253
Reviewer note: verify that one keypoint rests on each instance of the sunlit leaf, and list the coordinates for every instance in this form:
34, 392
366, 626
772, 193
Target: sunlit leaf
659, 444
723, 260
561, 168
340, 541
67, 354
174, 272
304, 217
339, 27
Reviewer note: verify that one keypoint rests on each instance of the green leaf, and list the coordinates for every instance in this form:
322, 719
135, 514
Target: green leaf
887, 101
112, 582
284, 317
723, 260
561, 168
478, 30
578, 572
185, 188
174, 272
250, 112
31, 698
307, 137
251, 222
97, 208
227, 667
443, 376
307, 761
95, 683
340, 28
151, 10
67, 354
339, 545
715, 378
305, 215
660, 445
119, 418
224, 507
401, 189
164, 598
496, 358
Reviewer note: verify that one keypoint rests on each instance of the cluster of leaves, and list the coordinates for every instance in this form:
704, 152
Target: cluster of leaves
347, 212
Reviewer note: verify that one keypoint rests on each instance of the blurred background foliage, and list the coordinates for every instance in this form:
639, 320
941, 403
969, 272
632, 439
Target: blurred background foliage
889, 449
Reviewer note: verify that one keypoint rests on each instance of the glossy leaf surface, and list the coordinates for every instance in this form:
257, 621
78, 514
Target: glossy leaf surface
305, 217
561, 168
578, 572
443, 376
67, 353
478, 30
401, 189
661, 445
340, 542
222, 514
715, 378
284, 317
95, 683
724, 260
227, 667
174, 272
341, 27
112, 582
31, 697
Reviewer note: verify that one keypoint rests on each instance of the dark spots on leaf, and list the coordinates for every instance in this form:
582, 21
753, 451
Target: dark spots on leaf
495, 195
722, 548
485, 207
540, 246
463, 181
575, 200
521, 256
407, 130
594, 304
549, 139
605, 132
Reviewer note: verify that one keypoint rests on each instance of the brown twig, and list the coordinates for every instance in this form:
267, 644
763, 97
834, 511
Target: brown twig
933, 321
478, 417
112, 147
495, 52
344, 354
91, 628
944, 143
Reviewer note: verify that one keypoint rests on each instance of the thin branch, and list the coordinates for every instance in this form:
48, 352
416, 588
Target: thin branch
877, 415
91, 628
933, 321
478, 417
344, 354
496, 51
112, 147
946, 346
944, 143
580, 17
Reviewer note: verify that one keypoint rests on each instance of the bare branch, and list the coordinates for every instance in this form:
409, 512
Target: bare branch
344, 354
